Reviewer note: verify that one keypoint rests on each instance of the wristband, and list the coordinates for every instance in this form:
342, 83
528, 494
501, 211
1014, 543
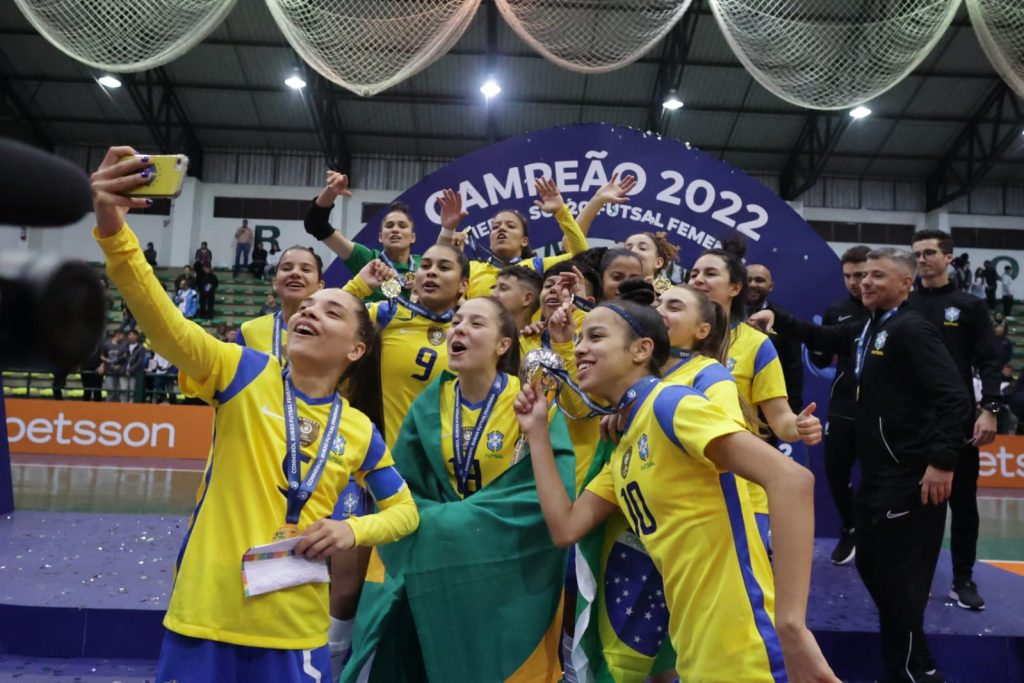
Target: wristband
316, 223
447, 234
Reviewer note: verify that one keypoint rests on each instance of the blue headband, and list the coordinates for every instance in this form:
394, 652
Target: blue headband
628, 317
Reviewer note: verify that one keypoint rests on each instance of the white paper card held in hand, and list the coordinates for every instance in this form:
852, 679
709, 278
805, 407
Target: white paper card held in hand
271, 567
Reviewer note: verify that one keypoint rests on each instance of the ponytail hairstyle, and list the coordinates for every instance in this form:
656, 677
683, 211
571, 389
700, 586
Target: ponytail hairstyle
716, 344
508, 362
360, 383
667, 251
642, 321
732, 252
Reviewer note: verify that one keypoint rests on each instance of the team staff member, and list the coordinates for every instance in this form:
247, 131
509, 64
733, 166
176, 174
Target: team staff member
966, 329
718, 587
840, 429
396, 236
759, 287
214, 632
510, 236
909, 410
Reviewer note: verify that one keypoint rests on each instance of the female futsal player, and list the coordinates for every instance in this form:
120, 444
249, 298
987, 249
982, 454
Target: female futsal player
724, 620
509, 236
269, 421
397, 234
753, 361
297, 278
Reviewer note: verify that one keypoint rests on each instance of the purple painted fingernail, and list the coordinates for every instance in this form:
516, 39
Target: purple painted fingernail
145, 159
145, 174
149, 202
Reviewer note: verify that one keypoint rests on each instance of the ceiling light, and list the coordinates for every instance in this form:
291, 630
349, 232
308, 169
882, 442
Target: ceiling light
672, 102
295, 82
108, 82
490, 88
860, 112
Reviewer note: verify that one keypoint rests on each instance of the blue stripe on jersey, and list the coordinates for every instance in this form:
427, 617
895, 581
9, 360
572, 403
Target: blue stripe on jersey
199, 505
665, 405
374, 452
765, 355
384, 483
353, 501
710, 376
385, 312
250, 365
754, 593
638, 402
239, 337
538, 264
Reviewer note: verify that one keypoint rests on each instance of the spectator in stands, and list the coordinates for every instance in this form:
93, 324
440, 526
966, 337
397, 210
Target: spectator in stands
163, 379
206, 286
135, 368
115, 360
60, 381
991, 278
185, 297
272, 259
1006, 285
269, 305
92, 377
203, 255
231, 336
1007, 420
188, 274
150, 253
760, 285
963, 273
978, 285
222, 331
1004, 346
127, 318
259, 260
243, 244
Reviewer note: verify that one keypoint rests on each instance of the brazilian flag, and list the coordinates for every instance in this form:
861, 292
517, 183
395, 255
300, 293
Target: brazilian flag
476, 593
621, 631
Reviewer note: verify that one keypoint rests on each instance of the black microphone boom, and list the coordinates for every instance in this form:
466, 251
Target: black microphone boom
39, 189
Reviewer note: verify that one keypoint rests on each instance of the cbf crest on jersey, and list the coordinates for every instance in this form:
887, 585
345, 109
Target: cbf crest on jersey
952, 314
495, 440
880, 340
643, 449
339, 445
350, 502
730, 364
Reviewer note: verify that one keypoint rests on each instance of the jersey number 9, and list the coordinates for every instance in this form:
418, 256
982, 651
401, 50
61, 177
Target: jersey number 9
639, 513
425, 359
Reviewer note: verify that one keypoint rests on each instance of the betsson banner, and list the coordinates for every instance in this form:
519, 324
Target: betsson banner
85, 428
1002, 463
694, 198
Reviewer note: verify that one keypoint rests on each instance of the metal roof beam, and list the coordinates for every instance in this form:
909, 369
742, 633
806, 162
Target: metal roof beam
815, 144
25, 121
674, 54
165, 117
993, 129
327, 122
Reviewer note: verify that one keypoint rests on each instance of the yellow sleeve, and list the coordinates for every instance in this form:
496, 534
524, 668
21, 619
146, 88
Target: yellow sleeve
208, 361
575, 240
357, 287
694, 420
725, 396
398, 517
768, 382
603, 486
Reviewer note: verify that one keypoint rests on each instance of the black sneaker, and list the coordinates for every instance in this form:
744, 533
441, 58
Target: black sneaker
965, 592
845, 549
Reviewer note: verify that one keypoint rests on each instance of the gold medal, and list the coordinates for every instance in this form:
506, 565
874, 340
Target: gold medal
286, 531
391, 288
661, 284
410, 277
435, 335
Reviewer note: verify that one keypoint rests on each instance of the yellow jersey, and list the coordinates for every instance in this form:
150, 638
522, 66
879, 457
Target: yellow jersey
414, 350
755, 364
258, 334
483, 274
242, 499
495, 451
700, 532
710, 378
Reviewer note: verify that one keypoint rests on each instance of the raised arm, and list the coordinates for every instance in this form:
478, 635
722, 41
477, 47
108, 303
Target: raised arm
567, 521
177, 339
450, 205
550, 201
317, 218
612, 192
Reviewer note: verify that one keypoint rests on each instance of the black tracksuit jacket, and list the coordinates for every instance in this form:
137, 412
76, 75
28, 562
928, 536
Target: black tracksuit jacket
842, 401
910, 404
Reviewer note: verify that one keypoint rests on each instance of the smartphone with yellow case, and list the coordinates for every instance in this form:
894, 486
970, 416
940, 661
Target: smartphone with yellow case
170, 175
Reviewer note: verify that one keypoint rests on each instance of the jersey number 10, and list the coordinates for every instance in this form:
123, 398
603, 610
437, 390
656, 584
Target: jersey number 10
643, 521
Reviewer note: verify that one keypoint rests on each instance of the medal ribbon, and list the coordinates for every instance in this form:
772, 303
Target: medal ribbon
299, 489
391, 264
479, 249
684, 356
275, 343
465, 453
596, 408
862, 342
419, 309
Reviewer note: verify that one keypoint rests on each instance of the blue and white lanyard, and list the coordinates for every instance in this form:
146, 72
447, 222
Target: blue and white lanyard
299, 489
275, 343
862, 342
479, 249
465, 452
596, 408
419, 309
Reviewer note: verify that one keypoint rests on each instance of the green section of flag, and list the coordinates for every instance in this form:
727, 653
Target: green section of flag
470, 595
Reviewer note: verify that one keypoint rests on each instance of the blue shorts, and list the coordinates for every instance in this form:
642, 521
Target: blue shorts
196, 660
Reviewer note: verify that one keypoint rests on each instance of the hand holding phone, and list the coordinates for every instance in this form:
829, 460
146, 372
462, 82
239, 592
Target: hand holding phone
168, 175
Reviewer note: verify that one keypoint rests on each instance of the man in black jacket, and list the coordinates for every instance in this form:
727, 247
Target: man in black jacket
910, 403
966, 329
760, 285
840, 429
